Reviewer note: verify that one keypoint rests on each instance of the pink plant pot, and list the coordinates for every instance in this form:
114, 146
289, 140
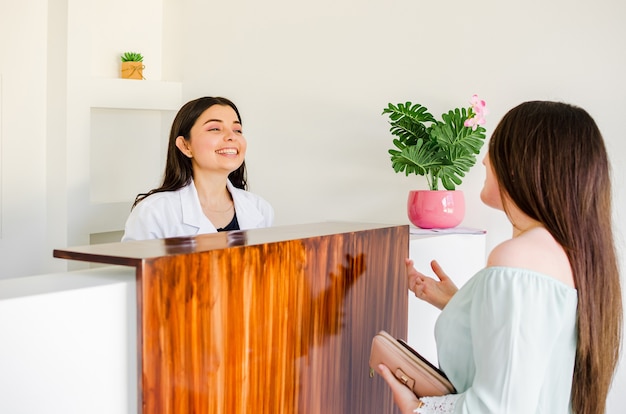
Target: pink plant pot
436, 209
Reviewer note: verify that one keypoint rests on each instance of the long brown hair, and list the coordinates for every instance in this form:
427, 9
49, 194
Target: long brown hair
178, 168
550, 159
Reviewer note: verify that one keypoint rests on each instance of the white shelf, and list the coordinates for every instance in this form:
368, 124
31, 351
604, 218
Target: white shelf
135, 94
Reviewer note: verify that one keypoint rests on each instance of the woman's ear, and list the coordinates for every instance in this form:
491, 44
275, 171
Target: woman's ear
183, 146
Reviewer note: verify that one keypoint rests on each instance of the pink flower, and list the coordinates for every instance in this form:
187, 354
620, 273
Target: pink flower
478, 110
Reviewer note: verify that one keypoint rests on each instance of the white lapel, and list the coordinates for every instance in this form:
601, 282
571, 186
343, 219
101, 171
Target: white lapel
248, 214
192, 210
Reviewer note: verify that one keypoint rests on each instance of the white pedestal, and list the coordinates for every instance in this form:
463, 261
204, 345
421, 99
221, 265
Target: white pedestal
69, 343
461, 256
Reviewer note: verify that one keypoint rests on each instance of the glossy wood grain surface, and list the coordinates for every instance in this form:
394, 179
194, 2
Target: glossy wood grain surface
279, 326
132, 253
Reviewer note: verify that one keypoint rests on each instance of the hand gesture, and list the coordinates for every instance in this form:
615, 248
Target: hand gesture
437, 293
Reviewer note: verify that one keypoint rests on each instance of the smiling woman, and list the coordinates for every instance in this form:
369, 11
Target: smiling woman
204, 187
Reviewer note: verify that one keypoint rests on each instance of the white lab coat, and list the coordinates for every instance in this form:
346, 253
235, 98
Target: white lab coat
179, 214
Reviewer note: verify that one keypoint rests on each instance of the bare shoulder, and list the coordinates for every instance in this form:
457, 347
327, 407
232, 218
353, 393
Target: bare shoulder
535, 250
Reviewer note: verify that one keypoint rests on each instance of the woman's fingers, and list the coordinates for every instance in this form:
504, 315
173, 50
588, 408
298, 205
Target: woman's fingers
438, 270
404, 398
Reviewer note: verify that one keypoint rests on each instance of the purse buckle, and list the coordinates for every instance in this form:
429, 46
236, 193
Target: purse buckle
404, 378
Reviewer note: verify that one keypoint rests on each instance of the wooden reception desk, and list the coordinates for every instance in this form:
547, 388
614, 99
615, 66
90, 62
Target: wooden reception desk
276, 320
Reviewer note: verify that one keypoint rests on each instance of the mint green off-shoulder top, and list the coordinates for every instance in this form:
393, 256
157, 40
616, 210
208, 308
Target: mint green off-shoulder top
507, 341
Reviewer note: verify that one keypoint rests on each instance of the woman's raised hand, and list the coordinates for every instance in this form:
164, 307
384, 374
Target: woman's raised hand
437, 293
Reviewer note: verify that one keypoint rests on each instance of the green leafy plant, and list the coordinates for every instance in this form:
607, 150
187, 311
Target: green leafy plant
132, 57
442, 151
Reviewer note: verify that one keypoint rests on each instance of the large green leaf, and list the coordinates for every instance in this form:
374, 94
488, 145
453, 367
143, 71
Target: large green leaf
415, 159
408, 121
452, 133
453, 172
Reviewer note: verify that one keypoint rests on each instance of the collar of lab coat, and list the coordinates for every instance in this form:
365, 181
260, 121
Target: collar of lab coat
248, 215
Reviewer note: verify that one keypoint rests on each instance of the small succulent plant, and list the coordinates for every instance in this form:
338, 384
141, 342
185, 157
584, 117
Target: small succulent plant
132, 57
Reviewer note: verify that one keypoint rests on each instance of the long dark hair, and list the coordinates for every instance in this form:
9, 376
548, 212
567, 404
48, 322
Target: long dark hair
178, 168
550, 159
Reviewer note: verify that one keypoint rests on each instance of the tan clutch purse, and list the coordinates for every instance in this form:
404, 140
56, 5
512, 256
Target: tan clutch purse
412, 369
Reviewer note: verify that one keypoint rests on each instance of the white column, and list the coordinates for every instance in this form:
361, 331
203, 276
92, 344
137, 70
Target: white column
461, 256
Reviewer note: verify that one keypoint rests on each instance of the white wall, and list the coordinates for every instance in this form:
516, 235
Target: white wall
23, 191
311, 81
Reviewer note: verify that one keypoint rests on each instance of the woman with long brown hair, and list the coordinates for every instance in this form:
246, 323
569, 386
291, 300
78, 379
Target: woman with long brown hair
204, 187
538, 330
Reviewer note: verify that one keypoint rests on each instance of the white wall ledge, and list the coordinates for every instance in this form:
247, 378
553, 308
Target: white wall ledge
135, 94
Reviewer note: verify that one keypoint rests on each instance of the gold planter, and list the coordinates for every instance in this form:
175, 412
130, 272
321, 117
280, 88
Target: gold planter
132, 70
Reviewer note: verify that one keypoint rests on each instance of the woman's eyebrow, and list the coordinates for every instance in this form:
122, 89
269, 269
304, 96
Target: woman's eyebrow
219, 120
212, 120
